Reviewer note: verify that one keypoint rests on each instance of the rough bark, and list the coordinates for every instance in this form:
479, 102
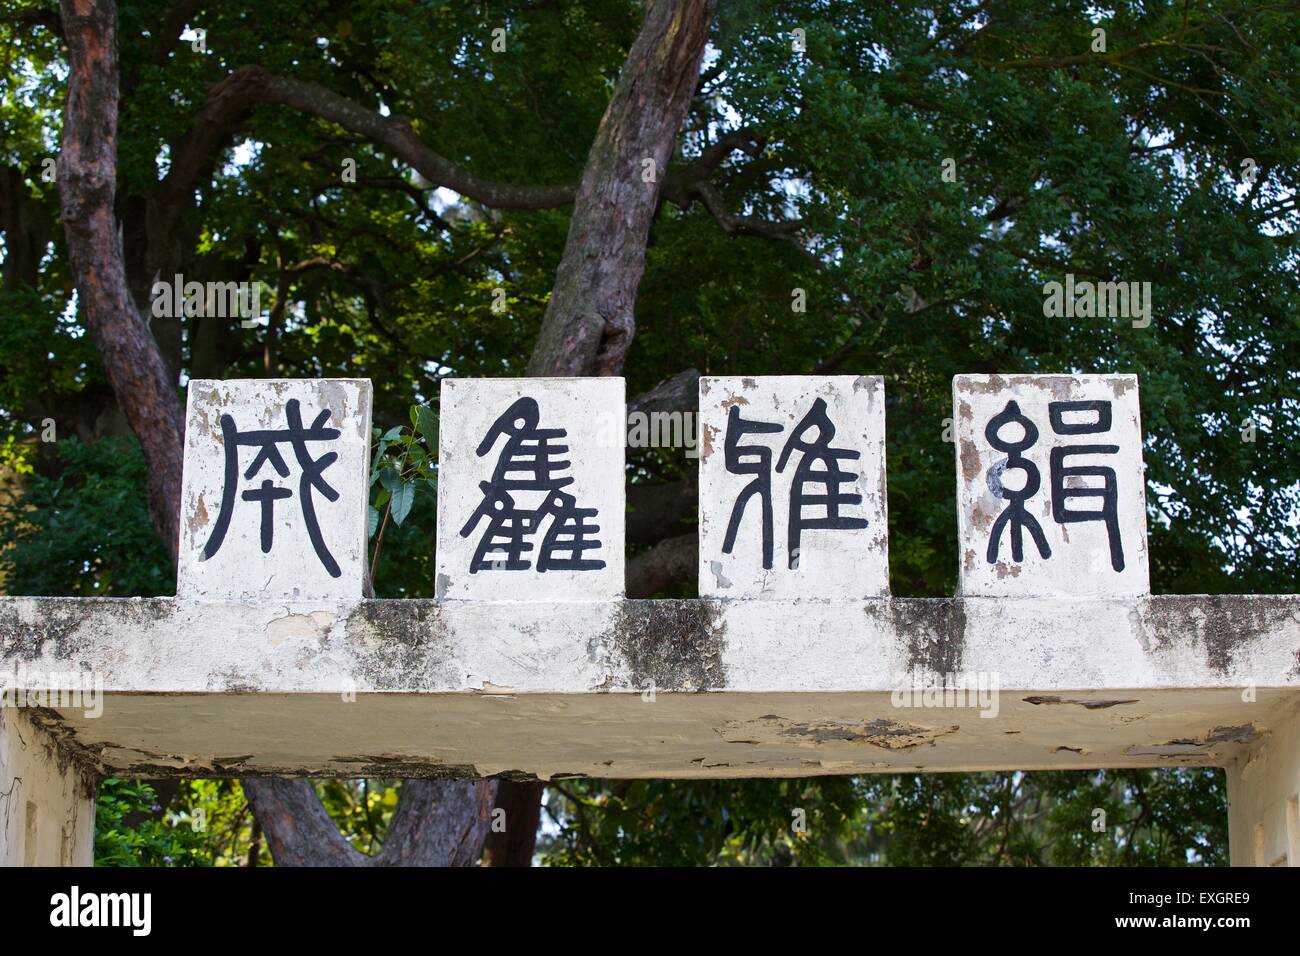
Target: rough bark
436, 823
588, 325
656, 512
297, 829
87, 177
669, 562
681, 393
522, 802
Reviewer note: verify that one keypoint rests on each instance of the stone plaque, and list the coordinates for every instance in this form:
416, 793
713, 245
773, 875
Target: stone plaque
1050, 485
530, 489
273, 500
792, 487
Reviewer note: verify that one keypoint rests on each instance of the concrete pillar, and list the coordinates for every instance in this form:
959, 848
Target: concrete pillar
1264, 799
47, 805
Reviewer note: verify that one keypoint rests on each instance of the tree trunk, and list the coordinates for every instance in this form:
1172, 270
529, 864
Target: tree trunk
522, 803
87, 177
587, 329
436, 823
588, 325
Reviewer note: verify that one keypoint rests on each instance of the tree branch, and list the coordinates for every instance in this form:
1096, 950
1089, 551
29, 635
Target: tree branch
87, 176
252, 84
39, 17
589, 325
681, 393
734, 225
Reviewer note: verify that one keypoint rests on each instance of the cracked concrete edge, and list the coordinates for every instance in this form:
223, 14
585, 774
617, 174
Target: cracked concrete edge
162, 645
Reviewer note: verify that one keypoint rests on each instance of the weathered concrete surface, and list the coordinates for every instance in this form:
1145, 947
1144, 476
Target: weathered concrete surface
402, 688
847, 413
582, 424
223, 559
710, 735
47, 793
162, 645
1074, 558
1264, 796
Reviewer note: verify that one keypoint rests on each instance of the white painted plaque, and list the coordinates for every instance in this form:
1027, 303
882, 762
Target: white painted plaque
1050, 486
530, 489
273, 500
792, 487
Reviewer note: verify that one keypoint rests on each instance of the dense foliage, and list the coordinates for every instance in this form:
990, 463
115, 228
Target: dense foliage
943, 162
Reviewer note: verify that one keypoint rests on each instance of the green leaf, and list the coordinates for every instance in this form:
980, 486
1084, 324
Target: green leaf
380, 448
390, 478
403, 498
372, 521
426, 423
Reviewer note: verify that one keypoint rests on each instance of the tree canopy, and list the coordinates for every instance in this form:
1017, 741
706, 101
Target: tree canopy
857, 187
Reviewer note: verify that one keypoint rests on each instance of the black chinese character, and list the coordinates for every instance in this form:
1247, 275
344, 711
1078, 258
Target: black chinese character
1108, 492
529, 466
818, 465
1015, 513
268, 493
753, 460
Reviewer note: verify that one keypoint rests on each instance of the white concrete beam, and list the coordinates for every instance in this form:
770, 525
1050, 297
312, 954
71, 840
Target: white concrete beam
791, 688
271, 663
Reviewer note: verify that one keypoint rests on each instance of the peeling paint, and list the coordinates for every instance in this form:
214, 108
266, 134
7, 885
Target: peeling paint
1091, 703
878, 732
313, 627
